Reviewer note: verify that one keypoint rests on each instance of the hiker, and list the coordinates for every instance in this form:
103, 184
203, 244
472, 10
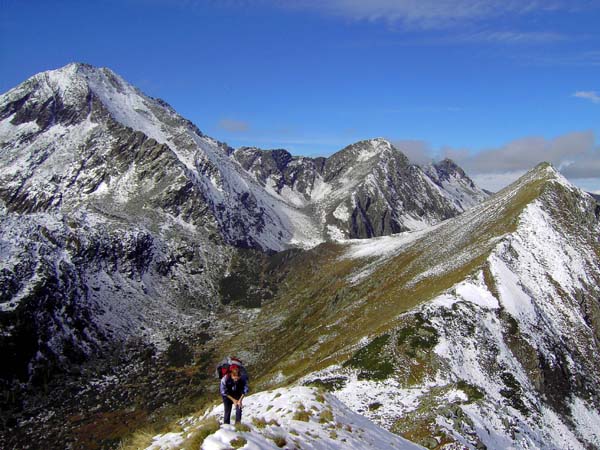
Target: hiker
233, 389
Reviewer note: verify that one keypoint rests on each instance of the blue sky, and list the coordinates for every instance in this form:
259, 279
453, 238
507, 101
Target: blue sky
496, 85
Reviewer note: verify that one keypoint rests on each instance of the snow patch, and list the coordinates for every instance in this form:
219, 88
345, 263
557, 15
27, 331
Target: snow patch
302, 417
587, 419
335, 233
383, 247
342, 213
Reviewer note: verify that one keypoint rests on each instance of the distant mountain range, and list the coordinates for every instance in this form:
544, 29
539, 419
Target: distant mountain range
131, 243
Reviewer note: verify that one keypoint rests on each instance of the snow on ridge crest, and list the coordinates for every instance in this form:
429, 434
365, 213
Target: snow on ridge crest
302, 417
375, 147
535, 275
125, 103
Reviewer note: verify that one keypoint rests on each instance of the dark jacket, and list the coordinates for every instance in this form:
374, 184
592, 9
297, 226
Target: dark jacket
234, 388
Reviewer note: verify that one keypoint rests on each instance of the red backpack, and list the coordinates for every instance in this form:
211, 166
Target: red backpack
227, 363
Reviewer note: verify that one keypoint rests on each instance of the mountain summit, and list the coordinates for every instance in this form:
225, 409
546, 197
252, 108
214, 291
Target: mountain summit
85, 138
365, 190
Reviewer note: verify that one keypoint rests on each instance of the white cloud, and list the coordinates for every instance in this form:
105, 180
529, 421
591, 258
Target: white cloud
509, 37
587, 58
496, 181
591, 185
576, 155
586, 167
593, 96
524, 153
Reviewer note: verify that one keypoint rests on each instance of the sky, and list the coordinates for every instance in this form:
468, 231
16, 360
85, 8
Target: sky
496, 85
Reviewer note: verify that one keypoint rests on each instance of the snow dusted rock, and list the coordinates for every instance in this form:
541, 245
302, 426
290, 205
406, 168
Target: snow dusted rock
81, 136
107, 230
374, 191
75, 286
455, 185
291, 178
117, 215
296, 417
366, 189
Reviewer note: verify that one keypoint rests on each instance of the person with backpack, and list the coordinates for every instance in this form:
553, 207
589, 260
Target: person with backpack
233, 388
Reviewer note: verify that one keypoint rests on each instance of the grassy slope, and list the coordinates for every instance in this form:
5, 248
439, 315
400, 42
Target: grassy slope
318, 317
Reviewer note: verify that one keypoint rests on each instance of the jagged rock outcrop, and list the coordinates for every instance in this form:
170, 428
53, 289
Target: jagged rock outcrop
455, 185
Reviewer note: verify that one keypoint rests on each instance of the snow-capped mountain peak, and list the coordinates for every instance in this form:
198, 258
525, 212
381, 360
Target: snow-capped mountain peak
454, 184
370, 148
269, 200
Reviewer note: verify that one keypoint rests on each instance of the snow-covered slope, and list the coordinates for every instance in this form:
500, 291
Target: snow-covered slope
121, 222
116, 220
81, 135
61, 128
114, 227
106, 192
298, 417
455, 185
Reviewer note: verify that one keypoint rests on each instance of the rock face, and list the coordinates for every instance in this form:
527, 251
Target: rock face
387, 194
83, 136
455, 185
114, 234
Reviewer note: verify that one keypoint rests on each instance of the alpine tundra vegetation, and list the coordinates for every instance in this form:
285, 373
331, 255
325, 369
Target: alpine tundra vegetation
374, 301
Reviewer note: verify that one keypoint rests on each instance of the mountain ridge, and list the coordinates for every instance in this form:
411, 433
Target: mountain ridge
401, 314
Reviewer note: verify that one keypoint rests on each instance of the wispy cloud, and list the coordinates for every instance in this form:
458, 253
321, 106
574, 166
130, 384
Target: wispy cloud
510, 37
495, 182
412, 14
592, 96
588, 58
234, 126
420, 109
419, 152
575, 153
427, 14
